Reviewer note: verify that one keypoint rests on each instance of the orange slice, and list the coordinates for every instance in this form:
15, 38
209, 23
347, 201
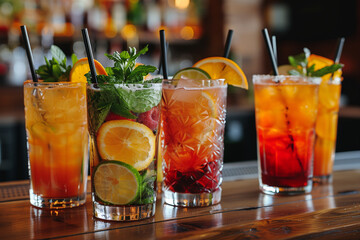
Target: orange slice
220, 67
321, 62
81, 67
127, 141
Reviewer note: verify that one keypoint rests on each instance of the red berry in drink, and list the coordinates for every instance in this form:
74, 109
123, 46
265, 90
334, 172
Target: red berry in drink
150, 118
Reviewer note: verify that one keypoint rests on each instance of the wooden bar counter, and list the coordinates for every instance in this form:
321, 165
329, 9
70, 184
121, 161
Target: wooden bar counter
329, 212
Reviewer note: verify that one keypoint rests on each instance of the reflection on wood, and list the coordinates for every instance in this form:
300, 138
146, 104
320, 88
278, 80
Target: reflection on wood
329, 211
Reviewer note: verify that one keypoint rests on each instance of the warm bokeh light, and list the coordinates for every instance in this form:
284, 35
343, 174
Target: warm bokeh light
110, 29
129, 31
182, 4
187, 33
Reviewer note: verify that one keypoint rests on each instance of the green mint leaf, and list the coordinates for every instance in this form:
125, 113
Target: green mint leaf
154, 80
57, 53
101, 113
118, 73
326, 70
109, 71
115, 57
310, 70
141, 52
57, 72
55, 69
47, 62
74, 59
292, 61
132, 51
122, 110
124, 64
100, 102
141, 100
124, 55
141, 71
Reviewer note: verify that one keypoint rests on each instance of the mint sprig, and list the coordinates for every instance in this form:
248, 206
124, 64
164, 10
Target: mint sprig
126, 100
301, 68
55, 69
124, 70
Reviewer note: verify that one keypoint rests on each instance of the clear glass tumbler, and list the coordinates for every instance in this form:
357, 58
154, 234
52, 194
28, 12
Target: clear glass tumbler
285, 110
192, 139
57, 140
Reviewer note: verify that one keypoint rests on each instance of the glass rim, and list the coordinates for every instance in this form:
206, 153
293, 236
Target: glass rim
31, 82
219, 82
260, 78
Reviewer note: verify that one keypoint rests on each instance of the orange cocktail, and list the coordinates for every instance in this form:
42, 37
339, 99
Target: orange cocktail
285, 110
56, 127
192, 121
326, 129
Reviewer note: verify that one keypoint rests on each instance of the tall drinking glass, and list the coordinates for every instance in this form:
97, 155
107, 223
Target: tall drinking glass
192, 139
123, 122
285, 111
326, 129
57, 140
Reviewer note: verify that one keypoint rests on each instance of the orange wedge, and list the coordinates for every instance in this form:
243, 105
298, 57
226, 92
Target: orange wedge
126, 141
81, 67
220, 67
321, 62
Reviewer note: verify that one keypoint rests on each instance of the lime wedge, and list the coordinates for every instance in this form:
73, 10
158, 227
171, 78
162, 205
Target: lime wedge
116, 182
191, 73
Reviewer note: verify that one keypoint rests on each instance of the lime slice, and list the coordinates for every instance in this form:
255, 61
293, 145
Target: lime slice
191, 73
116, 182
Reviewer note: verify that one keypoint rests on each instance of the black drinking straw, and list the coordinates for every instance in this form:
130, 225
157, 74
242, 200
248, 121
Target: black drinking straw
339, 50
269, 48
274, 47
163, 54
89, 54
228, 43
28, 52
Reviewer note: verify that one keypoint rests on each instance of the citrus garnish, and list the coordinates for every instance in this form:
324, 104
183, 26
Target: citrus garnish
220, 67
191, 73
321, 62
81, 67
127, 141
116, 182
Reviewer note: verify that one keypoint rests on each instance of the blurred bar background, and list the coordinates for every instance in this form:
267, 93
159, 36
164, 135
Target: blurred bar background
195, 29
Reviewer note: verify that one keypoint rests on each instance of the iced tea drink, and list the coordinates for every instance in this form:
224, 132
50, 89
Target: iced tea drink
192, 139
326, 129
285, 110
57, 136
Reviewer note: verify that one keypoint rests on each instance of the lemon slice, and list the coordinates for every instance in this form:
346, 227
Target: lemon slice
116, 182
191, 73
127, 141
81, 67
220, 67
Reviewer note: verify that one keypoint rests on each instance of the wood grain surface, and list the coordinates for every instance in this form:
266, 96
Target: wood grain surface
328, 212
